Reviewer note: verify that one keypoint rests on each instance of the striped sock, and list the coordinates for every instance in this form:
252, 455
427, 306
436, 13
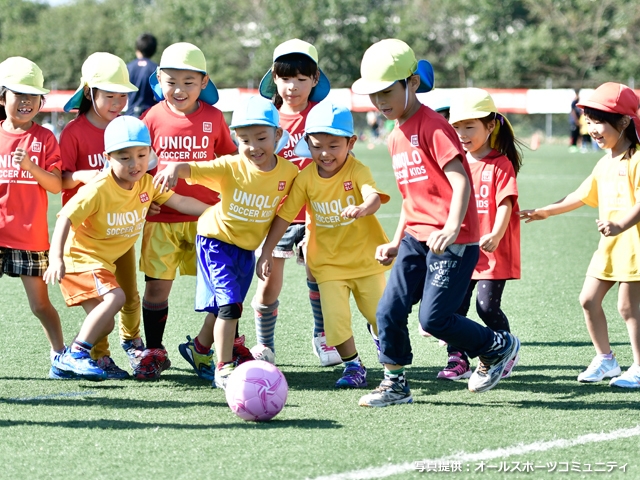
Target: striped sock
78, 346
396, 375
316, 308
266, 317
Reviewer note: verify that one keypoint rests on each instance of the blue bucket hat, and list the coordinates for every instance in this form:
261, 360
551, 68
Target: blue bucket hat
326, 117
318, 93
184, 56
124, 132
256, 110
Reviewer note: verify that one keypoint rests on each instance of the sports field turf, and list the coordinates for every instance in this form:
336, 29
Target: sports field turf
540, 421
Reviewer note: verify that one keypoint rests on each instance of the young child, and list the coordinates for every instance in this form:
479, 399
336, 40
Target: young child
341, 197
296, 84
436, 243
184, 127
612, 116
97, 227
100, 98
494, 162
29, 169
251, 186
140, 69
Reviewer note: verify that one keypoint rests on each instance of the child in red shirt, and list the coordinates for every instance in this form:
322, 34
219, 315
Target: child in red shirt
29, 168
494, 161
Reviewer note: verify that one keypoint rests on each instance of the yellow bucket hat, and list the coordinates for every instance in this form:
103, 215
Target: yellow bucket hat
476, 103
386, 62
184, 56
104, 71
21, 75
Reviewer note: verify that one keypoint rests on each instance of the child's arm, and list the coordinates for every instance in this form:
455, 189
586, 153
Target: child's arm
439, 240
611, 229
168, 178
55, 270
50, 181
490, 241
73, 179
369, 206
186, 205
567, 204
263, 265
387, 252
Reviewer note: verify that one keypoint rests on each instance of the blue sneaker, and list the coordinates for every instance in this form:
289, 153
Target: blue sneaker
80, 365
114, 372
201, 362
354, 376
491, 367
599, 368
389, 392
629, 379
57, 374
133, 348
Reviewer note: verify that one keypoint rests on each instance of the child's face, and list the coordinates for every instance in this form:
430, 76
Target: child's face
295, 91
21, 108
108, 104
473, 134
329, 152
181, 89
605, 134
129, 165
257, 143
396, 101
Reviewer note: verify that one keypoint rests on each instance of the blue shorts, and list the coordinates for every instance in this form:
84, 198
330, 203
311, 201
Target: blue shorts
292, 237
224, 274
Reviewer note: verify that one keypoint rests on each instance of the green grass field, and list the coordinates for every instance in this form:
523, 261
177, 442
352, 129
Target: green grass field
540, 421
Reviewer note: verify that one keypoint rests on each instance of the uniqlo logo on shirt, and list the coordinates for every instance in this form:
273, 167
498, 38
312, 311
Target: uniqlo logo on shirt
207, 127
348, 185
144, 198
281, 186
414, 140
486, 176
36, 147
622, 171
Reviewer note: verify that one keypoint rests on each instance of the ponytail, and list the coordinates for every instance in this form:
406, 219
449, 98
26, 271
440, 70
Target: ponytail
505, 141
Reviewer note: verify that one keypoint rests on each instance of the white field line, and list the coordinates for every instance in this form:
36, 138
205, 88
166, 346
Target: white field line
520, 449
592, 214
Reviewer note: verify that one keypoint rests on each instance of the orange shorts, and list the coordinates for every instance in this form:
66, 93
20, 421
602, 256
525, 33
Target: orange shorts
78, 287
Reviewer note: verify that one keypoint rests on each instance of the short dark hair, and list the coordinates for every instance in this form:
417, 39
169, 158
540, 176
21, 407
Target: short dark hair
147, 45
291, 65
614, 120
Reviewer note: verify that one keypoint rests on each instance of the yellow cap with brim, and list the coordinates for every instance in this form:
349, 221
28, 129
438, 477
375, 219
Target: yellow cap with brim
184, 56
386, 62
21, 75
104, 71
473, 103
318, 93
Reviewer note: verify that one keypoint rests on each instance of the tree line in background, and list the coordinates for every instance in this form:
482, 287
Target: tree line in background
485, 43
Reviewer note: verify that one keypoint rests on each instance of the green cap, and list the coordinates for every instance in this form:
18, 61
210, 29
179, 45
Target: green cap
21, 75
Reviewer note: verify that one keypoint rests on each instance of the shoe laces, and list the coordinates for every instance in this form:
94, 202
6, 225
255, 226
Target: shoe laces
484, 365
353, 369
456, 363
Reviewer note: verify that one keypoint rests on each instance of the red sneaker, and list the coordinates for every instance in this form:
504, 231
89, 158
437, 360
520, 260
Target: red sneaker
153, 361
241, 354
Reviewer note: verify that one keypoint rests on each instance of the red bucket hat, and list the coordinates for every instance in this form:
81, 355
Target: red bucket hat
615, 98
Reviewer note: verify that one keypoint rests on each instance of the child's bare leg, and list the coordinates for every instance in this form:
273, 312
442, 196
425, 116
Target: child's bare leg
99, 321
40, 304
347, 349
224, 331
629, 308
269, 290
205, 337
591, 296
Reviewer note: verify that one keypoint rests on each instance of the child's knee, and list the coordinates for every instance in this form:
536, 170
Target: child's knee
628, 311
41, 308
589, 302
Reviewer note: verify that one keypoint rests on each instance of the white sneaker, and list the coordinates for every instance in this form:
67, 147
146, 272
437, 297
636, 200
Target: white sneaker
328, 356
599, 369
264, 353
629, 379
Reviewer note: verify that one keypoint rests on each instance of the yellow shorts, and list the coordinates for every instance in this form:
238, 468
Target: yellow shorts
167, 247
334, 298
78, 287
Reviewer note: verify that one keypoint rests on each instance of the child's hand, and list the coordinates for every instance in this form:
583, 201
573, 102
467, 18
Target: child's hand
166, 179
55, 271
386, 254
23, 160
264, 266
439, 240
489, 242
354, 211
531, 215
154, 209
608, 229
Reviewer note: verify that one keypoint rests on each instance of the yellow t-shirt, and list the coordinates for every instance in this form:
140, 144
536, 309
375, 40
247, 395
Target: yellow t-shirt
106, 221
614, 187
339, 248
249, 198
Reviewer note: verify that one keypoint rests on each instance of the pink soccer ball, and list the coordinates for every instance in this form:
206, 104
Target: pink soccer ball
256, 391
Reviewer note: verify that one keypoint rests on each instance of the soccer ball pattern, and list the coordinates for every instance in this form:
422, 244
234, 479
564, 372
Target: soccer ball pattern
256, 391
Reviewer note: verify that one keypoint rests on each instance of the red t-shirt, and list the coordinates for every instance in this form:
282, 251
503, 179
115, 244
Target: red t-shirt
23, 202
420, 148
294, 124
200, 136
494, 180
82, 148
